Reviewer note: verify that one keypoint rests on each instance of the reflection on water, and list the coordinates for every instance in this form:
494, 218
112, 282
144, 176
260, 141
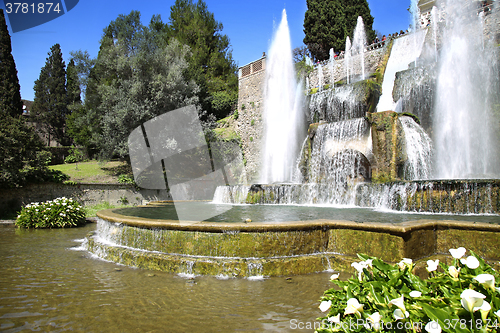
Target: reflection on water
47, 285
282, 213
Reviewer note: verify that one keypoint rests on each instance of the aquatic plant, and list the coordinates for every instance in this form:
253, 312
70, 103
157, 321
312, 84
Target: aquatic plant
57, 213
461, 297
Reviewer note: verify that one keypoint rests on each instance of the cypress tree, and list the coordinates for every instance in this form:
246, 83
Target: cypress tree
324, 27
72, 84
327, 24
353, 9
50, 104
10, 95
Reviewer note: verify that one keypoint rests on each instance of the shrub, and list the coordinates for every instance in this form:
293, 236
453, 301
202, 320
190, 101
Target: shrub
57, 213
383, 297
126, 179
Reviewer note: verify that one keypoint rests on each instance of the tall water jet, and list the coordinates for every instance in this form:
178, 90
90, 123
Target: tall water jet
320, 77
331, 62
284, 121
347, 58
358, 44
435, 25
466, 86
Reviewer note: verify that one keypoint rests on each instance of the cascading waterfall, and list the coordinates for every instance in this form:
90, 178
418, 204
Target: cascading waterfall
339, 158
466, 86
284, 120
347, 59
404, 51
418, 150
359, 43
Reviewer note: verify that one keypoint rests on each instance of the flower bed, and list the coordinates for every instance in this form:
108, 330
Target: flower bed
57, 213
390, 298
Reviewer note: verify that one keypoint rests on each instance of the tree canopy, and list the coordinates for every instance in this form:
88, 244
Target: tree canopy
10, 96
51, 101
211, 64
327, 23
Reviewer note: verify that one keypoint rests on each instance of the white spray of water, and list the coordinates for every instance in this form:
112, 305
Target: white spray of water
331, 63
435, 25
347, 58
284, 120
465, 147
358, 44
320, 77
418, 150
402, 54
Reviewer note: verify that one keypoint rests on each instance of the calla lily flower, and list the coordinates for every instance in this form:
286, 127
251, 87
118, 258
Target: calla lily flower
398, 314
432, 265
497, 313
472, 300
470, 262
334, 319
433, 327
484, 309
453, 271
415, 293
487, 280
458, 253
353, 307
325, 305
334, 276
406, 262
373, 321
398, 302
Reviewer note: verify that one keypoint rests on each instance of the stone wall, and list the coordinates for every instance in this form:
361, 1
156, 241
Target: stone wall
12, 200
373, 59
249, 125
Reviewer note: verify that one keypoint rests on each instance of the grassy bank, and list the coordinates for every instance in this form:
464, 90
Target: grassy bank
94, 171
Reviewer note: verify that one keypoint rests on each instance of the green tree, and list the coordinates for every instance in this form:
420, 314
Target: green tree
327, 24
50, 104
10, 96
138, 77
72, 84
324, 27
211, 64
22, 155
353, 9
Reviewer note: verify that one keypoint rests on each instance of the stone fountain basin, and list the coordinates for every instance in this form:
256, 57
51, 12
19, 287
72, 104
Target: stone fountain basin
241, 249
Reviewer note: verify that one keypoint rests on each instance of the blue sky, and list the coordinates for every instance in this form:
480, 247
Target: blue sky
248, 24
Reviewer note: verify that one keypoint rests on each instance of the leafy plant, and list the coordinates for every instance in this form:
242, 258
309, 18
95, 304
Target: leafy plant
57, 213
126, 179
252, 122
75, 155
384, 297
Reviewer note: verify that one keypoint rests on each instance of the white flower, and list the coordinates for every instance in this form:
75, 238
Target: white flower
325, 305
453, 271
334, 276
470, 262
433, 327
373, 321
335, 319
497, 313
484, 309
415, 293
398, 314
353, 307
405, 262
487, 280
399, 302
458, 253
472, 300
432, 265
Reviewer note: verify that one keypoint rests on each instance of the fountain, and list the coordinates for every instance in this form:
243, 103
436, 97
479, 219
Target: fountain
284, 130
367, 181
359, 44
